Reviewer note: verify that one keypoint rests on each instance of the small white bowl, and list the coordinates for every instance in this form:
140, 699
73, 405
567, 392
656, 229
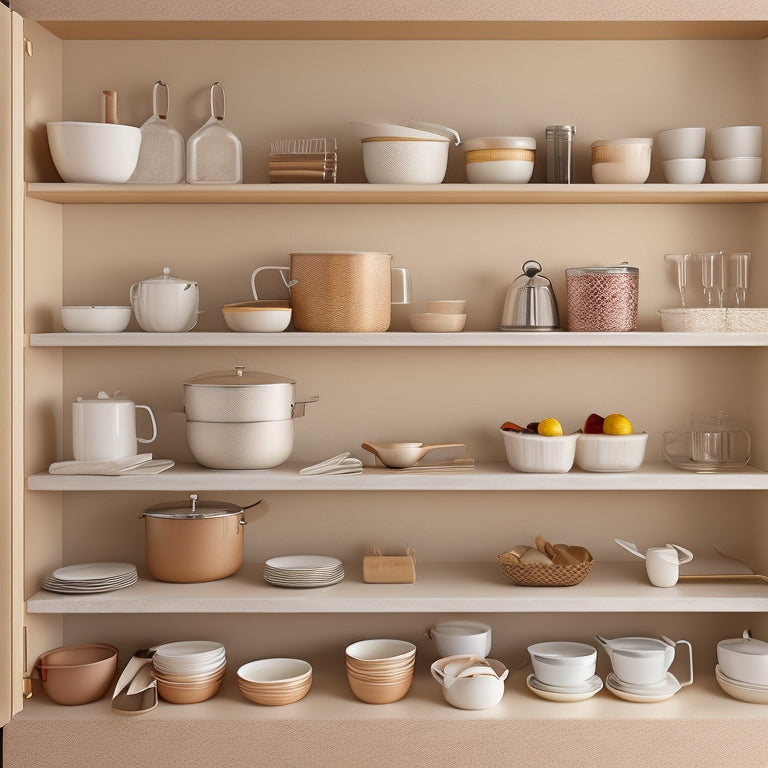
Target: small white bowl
685, 170
499, 159
677, 143
453, 638
257, 316
96, 153
447, 306
563, 664
528, 452
610, 453
95, 319
736, 141
437, 322
736, 170
278, 670
621, 161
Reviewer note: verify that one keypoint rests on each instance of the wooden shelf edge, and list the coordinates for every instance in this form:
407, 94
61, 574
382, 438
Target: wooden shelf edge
74, 193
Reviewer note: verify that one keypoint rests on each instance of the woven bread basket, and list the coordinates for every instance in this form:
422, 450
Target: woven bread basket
543, 574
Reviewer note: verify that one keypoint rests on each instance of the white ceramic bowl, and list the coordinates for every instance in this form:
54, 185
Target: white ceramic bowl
563, 664
257, 316
274, 671
736, 141
94, 153
381, 650
736, 170
744, 660
681, 143
240, 445
621, 161
499, 159
610, 453
527, 452
437, 322
684, 170
391, 160
461, 638
447, 306
95, 319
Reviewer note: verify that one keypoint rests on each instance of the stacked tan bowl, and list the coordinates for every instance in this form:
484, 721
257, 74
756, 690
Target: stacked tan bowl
275, 682
189, 671
380, 671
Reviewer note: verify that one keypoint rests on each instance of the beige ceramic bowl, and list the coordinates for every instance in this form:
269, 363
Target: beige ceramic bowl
275, 682
257, 316
77, 674
437, 322
447, 306
379, 693
188, 693
621, 161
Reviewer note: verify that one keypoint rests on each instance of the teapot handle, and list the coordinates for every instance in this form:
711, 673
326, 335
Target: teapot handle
685, 555
133, 294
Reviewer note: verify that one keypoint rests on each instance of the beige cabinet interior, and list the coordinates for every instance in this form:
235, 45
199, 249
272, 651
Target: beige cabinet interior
92, 253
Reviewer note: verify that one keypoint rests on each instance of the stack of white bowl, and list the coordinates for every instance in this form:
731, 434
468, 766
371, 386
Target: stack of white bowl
737, 154
742, 668
380, 671
682, 154
563, 671
189, 671
275, 682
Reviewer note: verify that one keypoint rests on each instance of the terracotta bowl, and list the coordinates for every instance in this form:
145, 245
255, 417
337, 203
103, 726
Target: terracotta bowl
77, 674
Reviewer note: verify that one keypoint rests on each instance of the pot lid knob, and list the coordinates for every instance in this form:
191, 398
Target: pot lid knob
166, 272
193, 499
531, 268
239, 370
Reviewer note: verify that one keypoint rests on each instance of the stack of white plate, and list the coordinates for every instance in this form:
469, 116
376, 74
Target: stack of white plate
303, 571
738, 689
91, 577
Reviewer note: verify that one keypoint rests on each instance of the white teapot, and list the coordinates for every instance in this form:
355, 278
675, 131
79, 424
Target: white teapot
165, 304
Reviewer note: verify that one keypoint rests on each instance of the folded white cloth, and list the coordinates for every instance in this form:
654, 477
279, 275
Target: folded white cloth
142, 464
343, 464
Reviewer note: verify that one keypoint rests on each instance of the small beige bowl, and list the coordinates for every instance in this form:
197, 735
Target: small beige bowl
257, 316
437, 322
447, 306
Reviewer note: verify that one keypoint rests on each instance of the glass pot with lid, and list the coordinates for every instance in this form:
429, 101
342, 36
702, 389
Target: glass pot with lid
530, 304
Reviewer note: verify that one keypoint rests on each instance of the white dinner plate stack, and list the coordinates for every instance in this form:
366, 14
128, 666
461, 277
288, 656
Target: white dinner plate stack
189, 657
91, 577
303, 571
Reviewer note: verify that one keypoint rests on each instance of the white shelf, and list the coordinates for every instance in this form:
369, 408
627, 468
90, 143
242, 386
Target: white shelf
330, 699
398, 339
439, 587
490, 476
398, 193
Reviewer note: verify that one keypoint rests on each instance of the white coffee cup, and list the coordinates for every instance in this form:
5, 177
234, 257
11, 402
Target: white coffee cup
104, 428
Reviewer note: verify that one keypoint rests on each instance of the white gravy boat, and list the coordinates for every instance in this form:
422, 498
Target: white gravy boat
661, 563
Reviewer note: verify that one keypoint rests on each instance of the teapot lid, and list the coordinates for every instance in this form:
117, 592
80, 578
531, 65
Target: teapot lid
745, 644
103, 397
237, 377
166, 279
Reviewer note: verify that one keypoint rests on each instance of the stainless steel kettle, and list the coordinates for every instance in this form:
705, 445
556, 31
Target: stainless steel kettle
530, 304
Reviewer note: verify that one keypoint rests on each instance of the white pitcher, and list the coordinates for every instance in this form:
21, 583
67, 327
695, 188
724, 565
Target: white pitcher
104, 428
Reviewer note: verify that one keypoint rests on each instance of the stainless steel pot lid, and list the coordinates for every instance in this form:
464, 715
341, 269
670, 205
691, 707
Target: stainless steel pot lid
617, 270
193, 509
237, 377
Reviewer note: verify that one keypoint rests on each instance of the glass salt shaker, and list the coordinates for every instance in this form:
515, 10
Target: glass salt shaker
214, 153
560, 153
161, 155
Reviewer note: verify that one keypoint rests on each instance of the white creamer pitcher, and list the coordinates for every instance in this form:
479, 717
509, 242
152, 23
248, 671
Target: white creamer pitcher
104, 428
661, 563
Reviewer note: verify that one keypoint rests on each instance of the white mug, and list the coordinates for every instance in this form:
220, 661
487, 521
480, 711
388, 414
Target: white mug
104, 428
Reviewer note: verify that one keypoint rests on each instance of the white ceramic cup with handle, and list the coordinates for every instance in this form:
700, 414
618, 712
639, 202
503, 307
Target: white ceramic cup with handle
104, 428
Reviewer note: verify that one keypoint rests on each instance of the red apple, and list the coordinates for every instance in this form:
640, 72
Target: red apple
510, 426
593, 425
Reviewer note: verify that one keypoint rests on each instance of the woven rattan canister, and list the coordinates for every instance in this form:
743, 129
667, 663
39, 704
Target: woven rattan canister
602, 298
344, 292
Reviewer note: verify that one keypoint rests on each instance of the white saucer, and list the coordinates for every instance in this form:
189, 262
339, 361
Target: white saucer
643, 693
554, 693
742, 691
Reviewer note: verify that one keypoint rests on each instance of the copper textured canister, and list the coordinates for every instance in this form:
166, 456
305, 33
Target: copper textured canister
341, 292
193, 541
602, 299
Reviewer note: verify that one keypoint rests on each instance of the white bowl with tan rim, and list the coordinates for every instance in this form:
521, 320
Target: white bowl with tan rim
499, 159
257, 316
621, 161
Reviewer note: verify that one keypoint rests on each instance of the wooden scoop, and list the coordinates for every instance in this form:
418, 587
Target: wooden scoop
110, 107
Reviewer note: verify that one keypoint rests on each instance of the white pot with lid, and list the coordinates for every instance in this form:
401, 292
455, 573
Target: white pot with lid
165, 304
104, 428
744, 659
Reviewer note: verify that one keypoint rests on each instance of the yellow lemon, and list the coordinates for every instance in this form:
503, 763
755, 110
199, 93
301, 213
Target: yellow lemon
550, 427
616, 424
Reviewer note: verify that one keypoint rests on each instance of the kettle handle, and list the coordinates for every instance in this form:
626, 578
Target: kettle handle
284, 271
154, 426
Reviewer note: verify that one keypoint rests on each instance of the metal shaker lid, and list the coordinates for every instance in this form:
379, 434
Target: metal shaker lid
561, 132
